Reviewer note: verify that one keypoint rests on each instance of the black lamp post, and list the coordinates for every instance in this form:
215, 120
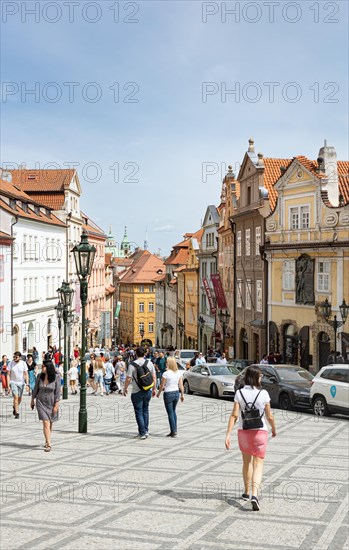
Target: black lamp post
201, 322
59, 313
141, 332
325, 310
66, 299
84, 255
224, 320
181, 331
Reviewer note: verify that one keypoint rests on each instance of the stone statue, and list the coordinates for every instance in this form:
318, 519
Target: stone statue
304, 280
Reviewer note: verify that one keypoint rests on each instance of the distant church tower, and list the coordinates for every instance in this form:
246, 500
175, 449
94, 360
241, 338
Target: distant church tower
110, 247
146, 240
125, 247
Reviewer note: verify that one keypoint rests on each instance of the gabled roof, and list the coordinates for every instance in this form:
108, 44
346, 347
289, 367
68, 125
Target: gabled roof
211, 210
272, 173
144, 268
43, 180
31, 214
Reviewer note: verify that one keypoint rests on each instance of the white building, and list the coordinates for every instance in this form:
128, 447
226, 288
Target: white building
207, 267
38, 266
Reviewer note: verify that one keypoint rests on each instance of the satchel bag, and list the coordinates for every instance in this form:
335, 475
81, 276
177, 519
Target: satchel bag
251, 417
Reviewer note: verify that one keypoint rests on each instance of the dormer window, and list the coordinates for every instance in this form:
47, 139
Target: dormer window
24, 206
12, 203
31, 177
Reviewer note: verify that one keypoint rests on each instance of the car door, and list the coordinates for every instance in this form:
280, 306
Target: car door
194, 376
338, 393
270, 383
204, 380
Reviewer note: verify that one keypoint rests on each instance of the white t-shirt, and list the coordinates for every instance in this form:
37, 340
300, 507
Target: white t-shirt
17, 370
172, 379
131, 372
73, 373
249, 394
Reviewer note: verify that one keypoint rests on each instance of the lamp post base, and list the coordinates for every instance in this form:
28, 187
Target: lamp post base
83, 422
65, 392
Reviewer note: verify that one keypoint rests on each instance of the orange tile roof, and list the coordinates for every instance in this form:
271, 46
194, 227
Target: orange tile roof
42, 180
18, 211
8, 189
143, 269
271, 175
51, 200
343, 179
178, 258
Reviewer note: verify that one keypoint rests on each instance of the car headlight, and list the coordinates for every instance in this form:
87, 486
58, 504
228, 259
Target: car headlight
227, 383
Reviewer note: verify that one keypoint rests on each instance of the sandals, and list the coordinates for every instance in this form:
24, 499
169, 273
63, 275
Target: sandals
47, 448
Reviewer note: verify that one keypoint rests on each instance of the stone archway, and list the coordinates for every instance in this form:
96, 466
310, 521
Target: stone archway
243, 344
291, 342
323, 348
30, 336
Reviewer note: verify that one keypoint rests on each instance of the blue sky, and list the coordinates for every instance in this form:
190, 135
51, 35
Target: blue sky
168, 137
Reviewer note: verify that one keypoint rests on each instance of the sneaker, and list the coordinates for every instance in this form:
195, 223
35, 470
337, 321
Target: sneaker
245, 496
255, 504
147, 434
140, 436
16, 415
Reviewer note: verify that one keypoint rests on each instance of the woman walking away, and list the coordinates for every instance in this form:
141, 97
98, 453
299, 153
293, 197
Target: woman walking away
172, 384
98, 375
91, 376
31, 364
251, 408
73, 375
46, 396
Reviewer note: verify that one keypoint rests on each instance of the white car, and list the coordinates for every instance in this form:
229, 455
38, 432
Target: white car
329, 393
186, 355
210, 379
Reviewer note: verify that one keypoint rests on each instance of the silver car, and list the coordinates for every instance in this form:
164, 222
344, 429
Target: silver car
211, 379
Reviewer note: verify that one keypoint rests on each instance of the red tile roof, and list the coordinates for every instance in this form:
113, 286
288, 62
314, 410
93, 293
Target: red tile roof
51, 200
143, 269
178, 257
271, 175
41, 217
42, 180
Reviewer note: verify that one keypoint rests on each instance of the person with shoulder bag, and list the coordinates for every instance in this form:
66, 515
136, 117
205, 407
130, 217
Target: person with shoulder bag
252, 409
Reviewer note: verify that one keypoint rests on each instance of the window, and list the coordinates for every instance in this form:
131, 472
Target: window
151, 327
203, 303
258, 240
141, 288
259, 296
204, 269
141, 307
35, 289
248, 242
238, 243
47, 287
248, 197
288, 275
323, 276
26, 290
151, 288
239, 293
14, 291
299, 217
141, 326
212, 268
151, 307
248, 294
25, 247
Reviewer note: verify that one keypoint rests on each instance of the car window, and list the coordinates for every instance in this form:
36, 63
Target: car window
233, 369
187, 354
196, 369
268, 373
338, 375
220, 370
293, 375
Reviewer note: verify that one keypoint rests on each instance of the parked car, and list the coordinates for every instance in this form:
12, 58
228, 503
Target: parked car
240, 364
288, 385
210, 379
186, 355
329, 392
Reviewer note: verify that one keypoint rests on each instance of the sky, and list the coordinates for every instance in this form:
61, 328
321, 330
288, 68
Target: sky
152, 100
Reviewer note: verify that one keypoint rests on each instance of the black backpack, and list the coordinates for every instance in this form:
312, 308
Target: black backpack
144, 377
251, 417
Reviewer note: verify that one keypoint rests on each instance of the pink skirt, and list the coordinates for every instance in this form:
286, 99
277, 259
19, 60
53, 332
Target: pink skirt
253, 442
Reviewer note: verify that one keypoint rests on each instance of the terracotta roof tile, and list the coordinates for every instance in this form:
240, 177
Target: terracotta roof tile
143, 269
271, 175
51, 200
42, 180
178, 258
18, 211
343, 179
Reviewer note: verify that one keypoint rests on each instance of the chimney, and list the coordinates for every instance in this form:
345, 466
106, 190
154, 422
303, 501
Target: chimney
329, 168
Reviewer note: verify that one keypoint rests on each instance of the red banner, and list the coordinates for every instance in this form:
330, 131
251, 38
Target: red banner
209, 295
219, 292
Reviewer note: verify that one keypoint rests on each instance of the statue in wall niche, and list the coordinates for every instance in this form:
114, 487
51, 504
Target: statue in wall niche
305, 280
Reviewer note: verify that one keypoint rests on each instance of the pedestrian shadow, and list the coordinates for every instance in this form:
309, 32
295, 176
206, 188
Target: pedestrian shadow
20, 445
202, 496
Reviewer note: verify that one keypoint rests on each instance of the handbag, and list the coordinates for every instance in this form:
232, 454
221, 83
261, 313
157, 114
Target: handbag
251, 417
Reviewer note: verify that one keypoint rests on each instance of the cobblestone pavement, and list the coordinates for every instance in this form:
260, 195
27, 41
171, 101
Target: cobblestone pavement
105, 489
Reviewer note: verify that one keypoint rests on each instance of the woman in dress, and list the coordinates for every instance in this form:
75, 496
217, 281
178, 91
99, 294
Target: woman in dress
172, 384
46, 396
99, 373
31, 364
252, 441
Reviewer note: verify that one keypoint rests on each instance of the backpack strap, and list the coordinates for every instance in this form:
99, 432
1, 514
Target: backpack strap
256, 398
242, 395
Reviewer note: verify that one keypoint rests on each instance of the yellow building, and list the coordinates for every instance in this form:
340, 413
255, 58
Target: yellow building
191, 292
137, 297
307, 248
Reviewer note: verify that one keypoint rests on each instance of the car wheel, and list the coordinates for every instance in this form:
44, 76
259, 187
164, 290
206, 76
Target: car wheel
285, 402
186, 387
320, 407
214, 391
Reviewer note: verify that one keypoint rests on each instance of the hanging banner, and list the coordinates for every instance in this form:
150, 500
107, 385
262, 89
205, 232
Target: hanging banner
209, 295
218, 290
117, 310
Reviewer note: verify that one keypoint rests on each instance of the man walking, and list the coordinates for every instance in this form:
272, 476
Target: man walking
17, 378
140, 398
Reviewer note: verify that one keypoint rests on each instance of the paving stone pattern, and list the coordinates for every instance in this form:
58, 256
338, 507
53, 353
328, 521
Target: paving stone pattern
106, 489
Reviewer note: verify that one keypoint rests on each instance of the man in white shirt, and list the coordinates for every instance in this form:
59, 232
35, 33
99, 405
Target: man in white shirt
200, 360
140, 398
222, 360
17, 378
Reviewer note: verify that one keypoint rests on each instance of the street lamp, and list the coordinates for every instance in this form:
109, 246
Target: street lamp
66, 298
84, 255
201, 322
224, 320
181, 332
141, 332
325, 310
59, 313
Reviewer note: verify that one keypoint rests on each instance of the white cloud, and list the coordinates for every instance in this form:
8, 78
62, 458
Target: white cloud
164, 228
